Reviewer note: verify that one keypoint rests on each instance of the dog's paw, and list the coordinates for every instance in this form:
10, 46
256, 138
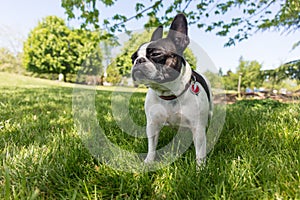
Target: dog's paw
150, 158
201, 163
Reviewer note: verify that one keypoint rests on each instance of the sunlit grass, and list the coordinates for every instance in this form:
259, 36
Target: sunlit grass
42, 157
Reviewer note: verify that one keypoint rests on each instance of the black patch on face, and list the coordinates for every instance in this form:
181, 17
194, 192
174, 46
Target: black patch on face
133, 57
163, 54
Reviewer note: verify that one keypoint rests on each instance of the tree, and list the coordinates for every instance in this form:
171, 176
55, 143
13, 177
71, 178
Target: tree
190, 58
85, 45
12, 39
220, 72
243, 17
230, 80
113, 75
214, 79
251, 73
54, 48
9, 62
290, 70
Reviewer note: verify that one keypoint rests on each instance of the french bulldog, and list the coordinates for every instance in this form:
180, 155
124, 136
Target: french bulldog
177, 95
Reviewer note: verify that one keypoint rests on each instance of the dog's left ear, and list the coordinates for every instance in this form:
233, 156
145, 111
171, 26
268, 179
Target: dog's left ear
179, 33
157, 34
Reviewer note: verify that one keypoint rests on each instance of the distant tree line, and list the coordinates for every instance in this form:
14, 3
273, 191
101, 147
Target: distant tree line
252, 75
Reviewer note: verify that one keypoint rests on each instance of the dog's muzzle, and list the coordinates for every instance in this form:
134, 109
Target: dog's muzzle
137, 74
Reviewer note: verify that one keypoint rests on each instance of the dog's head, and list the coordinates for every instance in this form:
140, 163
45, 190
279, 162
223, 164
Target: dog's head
160, 60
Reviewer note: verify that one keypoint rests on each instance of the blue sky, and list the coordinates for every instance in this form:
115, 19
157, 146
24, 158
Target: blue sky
271, 49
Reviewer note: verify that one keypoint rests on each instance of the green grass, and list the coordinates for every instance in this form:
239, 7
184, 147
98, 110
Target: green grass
42, 157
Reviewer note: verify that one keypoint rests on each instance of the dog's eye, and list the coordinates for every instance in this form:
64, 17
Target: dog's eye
156, 54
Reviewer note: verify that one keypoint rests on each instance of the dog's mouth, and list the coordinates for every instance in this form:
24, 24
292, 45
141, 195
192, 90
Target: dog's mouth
142, 77
138, 74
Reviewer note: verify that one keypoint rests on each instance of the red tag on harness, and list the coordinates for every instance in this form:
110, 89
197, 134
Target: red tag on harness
195, 88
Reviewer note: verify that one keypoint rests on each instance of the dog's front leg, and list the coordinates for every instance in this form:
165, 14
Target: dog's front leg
199, 137
152, 135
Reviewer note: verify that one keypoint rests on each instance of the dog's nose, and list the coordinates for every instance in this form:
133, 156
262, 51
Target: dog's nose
140, 60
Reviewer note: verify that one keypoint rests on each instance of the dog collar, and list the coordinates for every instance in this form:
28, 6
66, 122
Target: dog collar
172, 97
194, 84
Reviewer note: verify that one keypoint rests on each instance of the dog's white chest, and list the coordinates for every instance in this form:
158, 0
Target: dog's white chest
184, 113
175, 119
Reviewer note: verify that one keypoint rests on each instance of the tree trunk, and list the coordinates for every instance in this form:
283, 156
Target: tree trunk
239, 85
65, 77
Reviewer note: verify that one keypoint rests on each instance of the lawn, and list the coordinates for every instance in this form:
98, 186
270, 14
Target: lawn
42, 156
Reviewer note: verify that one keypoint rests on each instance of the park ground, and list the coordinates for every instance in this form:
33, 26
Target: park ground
42, 156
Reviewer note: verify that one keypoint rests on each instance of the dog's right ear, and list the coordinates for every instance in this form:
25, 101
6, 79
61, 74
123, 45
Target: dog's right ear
157, 34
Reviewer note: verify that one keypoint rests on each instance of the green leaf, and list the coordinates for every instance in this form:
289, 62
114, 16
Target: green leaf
139, 7
108, 2
297, 44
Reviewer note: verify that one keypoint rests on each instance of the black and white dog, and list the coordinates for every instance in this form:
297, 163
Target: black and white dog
177, 95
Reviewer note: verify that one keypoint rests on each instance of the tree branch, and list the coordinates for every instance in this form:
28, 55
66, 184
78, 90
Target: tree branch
187, 5
133, 17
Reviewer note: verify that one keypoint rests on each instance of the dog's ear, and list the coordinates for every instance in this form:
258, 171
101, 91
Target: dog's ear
157, 34
179, 33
